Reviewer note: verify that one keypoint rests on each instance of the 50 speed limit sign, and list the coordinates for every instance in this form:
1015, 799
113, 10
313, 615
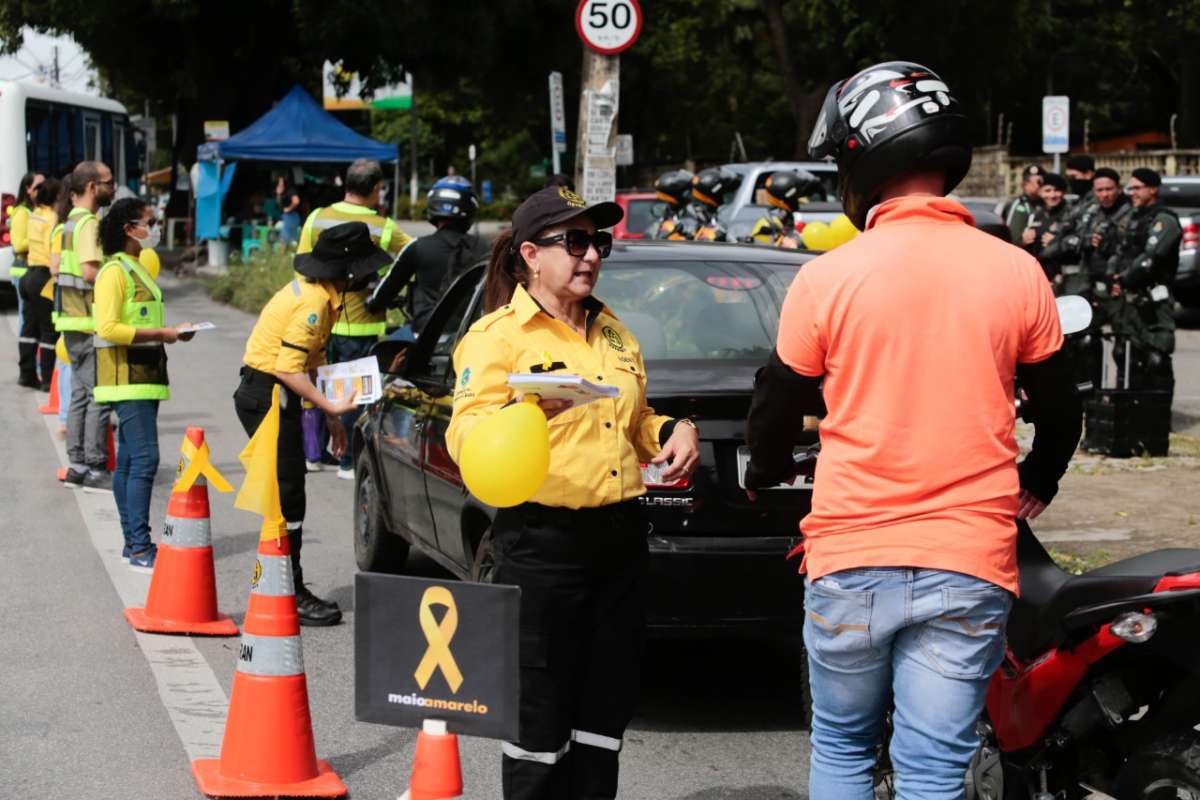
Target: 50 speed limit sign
608, 26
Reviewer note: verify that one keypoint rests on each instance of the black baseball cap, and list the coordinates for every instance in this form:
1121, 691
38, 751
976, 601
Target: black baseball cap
556, 204
1081, 162
1055, 180
1147, 176
343, 251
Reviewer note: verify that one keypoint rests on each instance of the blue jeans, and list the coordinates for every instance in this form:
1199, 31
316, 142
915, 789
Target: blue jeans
137, 462
348, 348
64, 392
927, 641
291, 228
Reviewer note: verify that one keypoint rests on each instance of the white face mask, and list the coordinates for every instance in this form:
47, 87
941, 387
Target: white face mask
151, 239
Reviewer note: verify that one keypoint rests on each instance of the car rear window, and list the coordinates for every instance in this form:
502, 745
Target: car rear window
1180, 195
698, 310
641, 216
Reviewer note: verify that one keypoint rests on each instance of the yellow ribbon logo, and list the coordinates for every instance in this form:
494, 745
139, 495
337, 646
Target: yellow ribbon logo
438, 655
198, 464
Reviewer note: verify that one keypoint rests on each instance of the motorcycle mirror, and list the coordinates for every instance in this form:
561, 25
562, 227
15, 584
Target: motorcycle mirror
1074, 313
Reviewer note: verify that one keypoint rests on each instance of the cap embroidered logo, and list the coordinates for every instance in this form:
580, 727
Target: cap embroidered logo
573, 200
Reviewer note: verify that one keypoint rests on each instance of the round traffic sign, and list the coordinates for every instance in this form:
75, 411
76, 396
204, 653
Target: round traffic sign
608, 26
1056, 120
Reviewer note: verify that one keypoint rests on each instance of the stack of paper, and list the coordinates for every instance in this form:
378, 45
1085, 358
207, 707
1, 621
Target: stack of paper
336, 381
561, 386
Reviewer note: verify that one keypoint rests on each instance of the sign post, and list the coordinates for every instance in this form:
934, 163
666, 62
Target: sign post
607, 27
471, 156
1056, 126
558, 121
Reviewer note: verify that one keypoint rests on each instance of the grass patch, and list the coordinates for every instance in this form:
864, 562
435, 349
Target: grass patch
249, 286
1079, 564
1184, 445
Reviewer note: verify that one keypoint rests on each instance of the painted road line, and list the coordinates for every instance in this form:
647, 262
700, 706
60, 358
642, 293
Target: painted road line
193, 698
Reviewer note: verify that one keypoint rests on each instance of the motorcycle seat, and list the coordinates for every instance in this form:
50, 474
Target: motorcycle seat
1048, 594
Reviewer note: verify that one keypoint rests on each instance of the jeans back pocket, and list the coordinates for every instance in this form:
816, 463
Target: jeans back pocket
966, 641
837, 626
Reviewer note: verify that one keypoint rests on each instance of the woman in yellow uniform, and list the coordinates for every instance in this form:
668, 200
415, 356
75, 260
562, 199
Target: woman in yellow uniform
37, 327
18, 232
576, 549
131, 366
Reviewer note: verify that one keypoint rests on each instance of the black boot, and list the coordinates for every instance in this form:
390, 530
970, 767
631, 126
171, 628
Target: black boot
312, 609
47, 363
27, 352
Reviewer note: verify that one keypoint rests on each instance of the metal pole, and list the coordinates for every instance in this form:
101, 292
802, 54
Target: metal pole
396, 187
1057, 162
412, 110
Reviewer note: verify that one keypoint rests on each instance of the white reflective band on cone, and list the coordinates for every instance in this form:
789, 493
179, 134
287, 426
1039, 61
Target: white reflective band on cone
184, 532
277, 656
596, 740
512, 751
273, 576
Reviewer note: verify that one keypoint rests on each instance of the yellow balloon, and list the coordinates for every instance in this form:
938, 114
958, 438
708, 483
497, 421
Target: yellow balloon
504, 461
817, 236
149, 261
60, 350
843, 229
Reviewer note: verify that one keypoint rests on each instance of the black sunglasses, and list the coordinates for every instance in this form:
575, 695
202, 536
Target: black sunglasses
578, 241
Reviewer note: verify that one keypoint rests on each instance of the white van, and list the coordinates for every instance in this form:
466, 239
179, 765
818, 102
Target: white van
50, 131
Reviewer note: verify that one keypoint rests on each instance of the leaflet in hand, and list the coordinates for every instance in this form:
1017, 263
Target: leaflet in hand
336, 381
195, 326
560, 386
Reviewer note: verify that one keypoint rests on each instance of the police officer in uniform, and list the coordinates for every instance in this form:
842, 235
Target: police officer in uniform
1046, 221
285, 348
1142, 270
1018, 210
433, 262
709, 188
1080, 171
786, 191
357, 327
576, 548
1088, 239
675, 189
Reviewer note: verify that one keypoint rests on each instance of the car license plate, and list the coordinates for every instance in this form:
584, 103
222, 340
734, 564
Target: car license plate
743, 459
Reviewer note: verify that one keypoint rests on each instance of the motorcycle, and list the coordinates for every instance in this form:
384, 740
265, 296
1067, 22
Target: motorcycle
1098, 696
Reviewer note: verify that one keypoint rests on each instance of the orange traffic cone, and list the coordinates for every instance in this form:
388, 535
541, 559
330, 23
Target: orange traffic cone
437, 772
50, 407
268, 745
183, 591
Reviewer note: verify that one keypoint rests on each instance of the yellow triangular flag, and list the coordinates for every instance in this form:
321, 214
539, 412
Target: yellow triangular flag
260, 490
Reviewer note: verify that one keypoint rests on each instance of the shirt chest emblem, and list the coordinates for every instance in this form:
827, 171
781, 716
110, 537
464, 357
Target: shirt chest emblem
613, 338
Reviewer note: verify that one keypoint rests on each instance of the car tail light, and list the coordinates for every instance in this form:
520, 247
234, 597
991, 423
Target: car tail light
652, 477
7, 201
726, 282
1191, 236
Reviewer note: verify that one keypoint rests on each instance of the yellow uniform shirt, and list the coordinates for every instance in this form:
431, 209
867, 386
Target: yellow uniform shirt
106, 307
56, 237
87, 242
41, 223
18, 229
293, 327
595, 449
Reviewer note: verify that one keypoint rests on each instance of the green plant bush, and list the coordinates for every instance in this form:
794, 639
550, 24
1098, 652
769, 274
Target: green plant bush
249, 286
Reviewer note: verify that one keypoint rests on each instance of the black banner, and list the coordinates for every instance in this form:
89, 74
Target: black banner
433, 649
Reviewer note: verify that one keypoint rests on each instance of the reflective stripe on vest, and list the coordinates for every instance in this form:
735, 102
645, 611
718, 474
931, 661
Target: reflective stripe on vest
134, 371
355, 320
73, 299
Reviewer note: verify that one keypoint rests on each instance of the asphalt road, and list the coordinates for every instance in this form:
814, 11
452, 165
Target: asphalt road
85, 715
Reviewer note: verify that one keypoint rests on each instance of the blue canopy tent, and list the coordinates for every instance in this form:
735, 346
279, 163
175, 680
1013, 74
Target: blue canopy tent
297, 129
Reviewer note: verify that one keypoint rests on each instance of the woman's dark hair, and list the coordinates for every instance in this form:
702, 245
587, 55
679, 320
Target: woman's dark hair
23, 189
49, 191
112, 227
506, 269
62, 203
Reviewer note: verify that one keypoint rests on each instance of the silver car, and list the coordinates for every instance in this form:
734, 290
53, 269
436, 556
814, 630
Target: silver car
1181, 194
748, 205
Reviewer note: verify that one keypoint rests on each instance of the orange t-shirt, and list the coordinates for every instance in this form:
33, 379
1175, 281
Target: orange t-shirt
917, 325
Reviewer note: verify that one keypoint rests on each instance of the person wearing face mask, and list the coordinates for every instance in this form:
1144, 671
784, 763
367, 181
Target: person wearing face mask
131, 366
576, 548
1080, 171
285, 348
356, 329
91, 188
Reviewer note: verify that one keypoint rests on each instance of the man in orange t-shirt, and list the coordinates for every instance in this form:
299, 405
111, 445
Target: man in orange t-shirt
910, 548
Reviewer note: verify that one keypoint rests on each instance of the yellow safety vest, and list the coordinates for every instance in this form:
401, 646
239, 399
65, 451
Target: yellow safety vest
354, 320
73, 299
136, 371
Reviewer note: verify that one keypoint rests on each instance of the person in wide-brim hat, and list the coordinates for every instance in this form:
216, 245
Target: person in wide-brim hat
284, 349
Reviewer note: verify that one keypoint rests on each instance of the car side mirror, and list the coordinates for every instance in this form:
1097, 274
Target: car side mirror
392, 355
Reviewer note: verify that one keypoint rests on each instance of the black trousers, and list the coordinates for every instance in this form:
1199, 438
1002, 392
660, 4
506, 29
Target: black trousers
252, 401
582, 576
38, 337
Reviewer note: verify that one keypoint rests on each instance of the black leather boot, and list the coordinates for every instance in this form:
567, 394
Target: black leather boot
311, 609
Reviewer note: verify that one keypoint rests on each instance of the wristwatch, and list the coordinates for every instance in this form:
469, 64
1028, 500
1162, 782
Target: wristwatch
688, 421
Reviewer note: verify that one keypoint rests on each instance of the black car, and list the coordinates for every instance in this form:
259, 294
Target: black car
705, 316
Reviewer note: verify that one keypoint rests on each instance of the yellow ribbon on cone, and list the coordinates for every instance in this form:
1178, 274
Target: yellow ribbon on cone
438, 655
198, 464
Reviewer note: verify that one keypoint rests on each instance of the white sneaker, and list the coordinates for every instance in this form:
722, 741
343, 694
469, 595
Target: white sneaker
346, 474
313, 466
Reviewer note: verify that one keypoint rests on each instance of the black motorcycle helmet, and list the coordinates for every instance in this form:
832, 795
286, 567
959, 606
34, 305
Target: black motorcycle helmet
674, 187
452, 197
784, 189
710, 184
886, 121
